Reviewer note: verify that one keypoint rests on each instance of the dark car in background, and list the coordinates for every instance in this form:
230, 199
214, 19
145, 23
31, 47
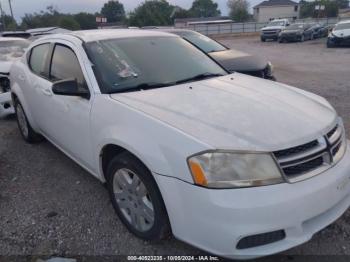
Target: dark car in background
298, 32
340, 35
232, 60
319, 30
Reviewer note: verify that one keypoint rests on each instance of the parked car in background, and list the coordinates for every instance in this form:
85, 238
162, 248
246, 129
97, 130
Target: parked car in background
273, 28
340, 35
11, 49
319, 30
298, 32
233, 164
232, 60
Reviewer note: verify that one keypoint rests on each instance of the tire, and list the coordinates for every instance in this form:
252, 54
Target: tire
26, 130
312, 37
280, 40
302, 38
263, 39
133, 190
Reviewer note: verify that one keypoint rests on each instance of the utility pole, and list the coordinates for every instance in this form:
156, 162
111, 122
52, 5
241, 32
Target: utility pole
2, 18
12, 15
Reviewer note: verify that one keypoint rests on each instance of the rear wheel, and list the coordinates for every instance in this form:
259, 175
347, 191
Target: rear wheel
263, 39
136, 198
27, 132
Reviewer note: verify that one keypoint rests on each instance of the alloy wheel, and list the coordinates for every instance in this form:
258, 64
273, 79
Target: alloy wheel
133, 199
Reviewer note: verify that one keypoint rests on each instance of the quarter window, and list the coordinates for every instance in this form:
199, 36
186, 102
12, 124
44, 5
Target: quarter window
65, 65
38, 59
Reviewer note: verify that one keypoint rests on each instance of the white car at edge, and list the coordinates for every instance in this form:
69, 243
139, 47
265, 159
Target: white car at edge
11, 48
235, 165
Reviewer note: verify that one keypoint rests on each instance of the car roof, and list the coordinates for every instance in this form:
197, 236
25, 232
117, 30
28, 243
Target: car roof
103, 34
5, 39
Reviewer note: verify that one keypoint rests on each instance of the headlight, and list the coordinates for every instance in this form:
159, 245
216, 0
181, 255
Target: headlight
225, 169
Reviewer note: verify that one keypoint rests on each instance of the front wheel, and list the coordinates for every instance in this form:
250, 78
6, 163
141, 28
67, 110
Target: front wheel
262, 39
136, 198
27, 132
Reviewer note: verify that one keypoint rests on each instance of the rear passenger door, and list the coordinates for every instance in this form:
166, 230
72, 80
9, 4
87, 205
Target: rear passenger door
36, 78
67, 118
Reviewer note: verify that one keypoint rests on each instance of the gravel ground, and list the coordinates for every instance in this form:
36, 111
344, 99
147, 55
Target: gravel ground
50, 206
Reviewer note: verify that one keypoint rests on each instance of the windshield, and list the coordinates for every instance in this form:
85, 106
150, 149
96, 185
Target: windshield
295, 26
123, 64
12, 49
203, 42
342, 26
276, 23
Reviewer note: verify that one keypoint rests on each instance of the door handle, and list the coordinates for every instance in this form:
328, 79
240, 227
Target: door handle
47, 92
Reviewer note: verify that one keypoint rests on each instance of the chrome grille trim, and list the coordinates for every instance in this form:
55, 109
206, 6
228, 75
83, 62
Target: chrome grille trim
315, 158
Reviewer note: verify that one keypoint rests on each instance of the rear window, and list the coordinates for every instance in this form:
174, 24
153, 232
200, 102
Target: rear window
38, 58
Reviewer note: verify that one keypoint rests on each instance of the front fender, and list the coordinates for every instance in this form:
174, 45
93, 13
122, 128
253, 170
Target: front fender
162, 148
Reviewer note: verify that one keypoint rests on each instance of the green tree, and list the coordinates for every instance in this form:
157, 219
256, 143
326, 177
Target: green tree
204, 8
342, 3
152, 13
307, 9
239, 10
179, 12
85, 20
68, 22
10, 23
113, 11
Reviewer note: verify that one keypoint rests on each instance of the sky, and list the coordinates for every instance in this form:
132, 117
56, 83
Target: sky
20, 7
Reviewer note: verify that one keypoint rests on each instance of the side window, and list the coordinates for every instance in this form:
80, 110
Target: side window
65, 65
38, 58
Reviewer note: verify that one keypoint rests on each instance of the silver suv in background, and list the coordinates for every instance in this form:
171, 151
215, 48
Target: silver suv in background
273, 28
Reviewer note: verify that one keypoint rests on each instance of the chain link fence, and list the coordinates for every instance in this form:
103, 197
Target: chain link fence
250, 27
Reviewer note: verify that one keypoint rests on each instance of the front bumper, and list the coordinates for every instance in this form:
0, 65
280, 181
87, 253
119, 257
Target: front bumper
216, 220
291, 37
6, 107
270, 35
339, 41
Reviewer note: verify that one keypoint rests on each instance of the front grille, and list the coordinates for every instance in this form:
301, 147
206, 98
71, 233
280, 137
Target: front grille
296, 149
304, 167
261, 239
269, 32
300, 162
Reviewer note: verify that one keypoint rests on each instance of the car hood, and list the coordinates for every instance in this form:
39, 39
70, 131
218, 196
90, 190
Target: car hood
342, 33
233, 60
237, 112
272, 28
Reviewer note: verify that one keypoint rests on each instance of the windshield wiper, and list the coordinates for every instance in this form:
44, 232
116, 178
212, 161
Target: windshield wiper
198, 77
147, 86
143, 86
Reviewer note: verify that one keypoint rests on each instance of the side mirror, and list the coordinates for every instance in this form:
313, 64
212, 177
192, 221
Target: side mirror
69, 87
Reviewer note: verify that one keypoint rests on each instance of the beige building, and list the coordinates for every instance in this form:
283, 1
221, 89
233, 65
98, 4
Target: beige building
275, 9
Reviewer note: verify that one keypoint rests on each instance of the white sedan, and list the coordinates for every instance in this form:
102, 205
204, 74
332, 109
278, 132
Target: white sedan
235, 165
11, 49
